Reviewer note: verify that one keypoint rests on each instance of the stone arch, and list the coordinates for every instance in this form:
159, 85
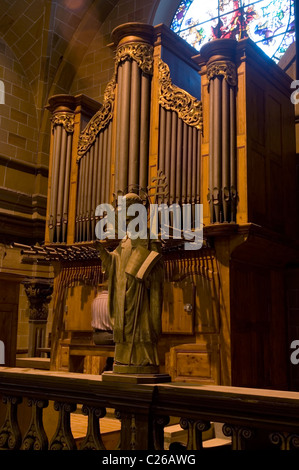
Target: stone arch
164, 12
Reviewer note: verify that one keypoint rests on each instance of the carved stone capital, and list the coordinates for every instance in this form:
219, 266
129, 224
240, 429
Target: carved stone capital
39, 294
64, 119
226, 69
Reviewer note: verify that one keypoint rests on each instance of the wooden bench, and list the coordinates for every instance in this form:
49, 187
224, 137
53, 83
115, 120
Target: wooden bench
87, 357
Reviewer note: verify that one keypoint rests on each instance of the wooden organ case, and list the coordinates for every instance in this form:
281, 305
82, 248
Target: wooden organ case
205, 126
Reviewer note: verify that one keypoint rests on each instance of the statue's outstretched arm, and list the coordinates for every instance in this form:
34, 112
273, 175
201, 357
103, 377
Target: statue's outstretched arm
105, 255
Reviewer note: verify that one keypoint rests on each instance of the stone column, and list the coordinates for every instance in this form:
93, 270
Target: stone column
39, 293
219, 57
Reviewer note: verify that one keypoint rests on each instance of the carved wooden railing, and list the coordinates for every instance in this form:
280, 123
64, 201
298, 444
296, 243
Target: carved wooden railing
253, 418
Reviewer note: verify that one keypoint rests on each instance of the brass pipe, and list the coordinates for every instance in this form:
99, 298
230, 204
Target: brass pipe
134, 124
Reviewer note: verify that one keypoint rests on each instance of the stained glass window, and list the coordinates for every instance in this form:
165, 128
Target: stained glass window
269, 23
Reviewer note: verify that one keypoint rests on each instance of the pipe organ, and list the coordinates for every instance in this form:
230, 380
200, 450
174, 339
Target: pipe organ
175, 126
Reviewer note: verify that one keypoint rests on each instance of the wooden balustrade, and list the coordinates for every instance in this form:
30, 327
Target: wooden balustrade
252, 418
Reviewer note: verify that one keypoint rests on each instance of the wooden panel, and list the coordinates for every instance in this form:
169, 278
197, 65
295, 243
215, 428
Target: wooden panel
257, 193
195, 362
178, 297
78, 316
206, 305
256, 105
276, 200
257, 327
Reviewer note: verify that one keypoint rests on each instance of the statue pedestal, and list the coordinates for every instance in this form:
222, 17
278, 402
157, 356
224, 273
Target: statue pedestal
135, 378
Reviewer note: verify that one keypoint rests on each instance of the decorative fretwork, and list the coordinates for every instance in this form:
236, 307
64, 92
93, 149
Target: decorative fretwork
63, 438
225, 68
36, 437
10, 434
173, 98
64, 119
93, 439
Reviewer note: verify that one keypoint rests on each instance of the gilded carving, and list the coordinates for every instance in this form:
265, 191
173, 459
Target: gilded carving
99, 121
143, 55
225, 68
140, 52
64, 119
173, 98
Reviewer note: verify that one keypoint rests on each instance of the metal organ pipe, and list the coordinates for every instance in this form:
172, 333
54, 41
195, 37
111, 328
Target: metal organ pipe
118, 128
67, 186
225, 149
233, 172
60, 184
144, 129
124, 124
217, 167
55, 176
134, 125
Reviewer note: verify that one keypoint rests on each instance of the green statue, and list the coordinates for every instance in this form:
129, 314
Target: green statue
135, 298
